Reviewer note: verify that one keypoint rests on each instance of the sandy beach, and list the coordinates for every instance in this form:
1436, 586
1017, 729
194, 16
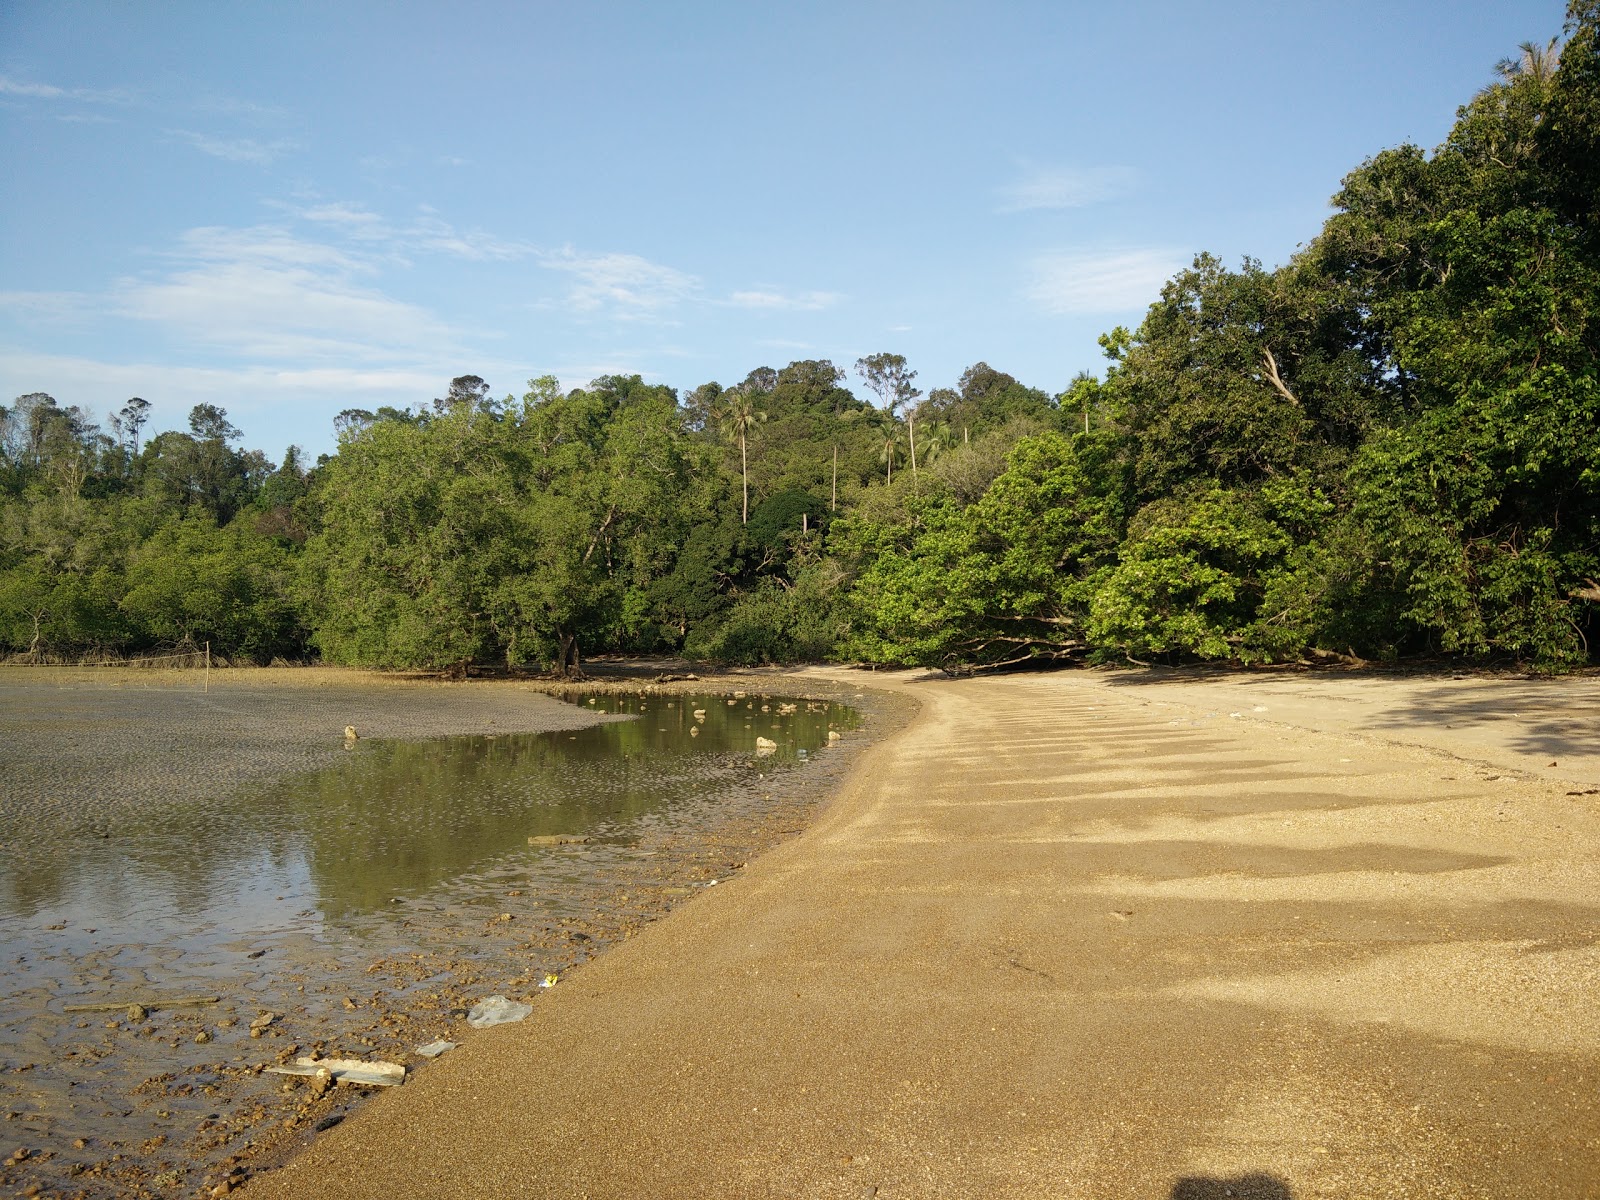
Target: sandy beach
1086, 934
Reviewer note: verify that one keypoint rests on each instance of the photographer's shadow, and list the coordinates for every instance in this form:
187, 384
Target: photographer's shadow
1253, 1186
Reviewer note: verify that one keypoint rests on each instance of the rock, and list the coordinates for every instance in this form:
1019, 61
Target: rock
321, 1083
349, 733
699, 714
137, 1012
833, 735
694, 731
766, 744
496, 1010
264, 1020
203, 1036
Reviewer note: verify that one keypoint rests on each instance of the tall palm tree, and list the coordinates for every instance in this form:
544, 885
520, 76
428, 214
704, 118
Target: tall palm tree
889, 435
739, 415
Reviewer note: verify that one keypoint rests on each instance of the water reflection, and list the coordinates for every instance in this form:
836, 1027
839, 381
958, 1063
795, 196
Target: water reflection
396, 819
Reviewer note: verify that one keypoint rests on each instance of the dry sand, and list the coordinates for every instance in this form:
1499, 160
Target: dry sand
1087, 935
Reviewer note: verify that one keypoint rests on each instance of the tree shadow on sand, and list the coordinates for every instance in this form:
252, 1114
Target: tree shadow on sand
1253, 1186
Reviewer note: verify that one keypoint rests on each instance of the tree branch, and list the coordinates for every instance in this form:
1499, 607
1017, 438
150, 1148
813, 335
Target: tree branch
1270, 365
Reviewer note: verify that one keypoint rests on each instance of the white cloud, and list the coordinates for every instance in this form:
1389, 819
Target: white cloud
43, 91
1101, 282
427, 232
1066, 187
263, 293
239, 150
773, 298
49, 91
628, 285
272, 405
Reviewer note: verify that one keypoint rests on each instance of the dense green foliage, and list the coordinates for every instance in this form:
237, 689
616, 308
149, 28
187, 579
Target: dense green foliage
1387, 447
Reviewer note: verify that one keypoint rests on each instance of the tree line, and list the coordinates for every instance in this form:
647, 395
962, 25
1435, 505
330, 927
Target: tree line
1388, 447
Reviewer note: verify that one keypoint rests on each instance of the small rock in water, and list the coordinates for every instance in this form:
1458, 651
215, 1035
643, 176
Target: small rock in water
349, 733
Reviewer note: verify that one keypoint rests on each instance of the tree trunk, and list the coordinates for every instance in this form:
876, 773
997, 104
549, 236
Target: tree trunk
567, 663
833, 505
744, 472
911, 431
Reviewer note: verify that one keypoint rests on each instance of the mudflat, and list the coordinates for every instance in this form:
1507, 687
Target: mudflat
1087, 934
114, 745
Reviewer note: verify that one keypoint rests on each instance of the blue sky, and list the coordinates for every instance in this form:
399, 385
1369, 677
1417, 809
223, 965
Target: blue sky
291, 209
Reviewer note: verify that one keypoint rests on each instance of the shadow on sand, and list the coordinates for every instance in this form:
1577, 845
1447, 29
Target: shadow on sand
1253, 1186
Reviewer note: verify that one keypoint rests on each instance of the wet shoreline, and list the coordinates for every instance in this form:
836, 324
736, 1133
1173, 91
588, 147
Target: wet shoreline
201, 1115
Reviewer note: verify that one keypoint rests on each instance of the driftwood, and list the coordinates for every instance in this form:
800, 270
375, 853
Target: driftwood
114, 1005
347, 1070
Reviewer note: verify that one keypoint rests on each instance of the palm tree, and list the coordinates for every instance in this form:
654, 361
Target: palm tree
1537, 62
935, 440
739, 413
889, 432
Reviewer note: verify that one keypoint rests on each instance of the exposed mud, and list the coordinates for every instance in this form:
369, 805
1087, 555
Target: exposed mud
108, 773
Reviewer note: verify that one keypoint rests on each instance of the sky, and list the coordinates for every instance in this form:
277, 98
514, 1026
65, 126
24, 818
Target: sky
289, 209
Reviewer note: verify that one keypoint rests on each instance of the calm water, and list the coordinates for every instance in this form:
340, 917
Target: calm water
396, 820
382, 877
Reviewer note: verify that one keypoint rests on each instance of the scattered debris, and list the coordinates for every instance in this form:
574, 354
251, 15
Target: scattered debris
346, 1070
496, 1010
114, 1005
434, 1049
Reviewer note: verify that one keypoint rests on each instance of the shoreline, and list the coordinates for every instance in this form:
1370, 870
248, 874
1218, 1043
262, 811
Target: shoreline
260, 1128
1066, 936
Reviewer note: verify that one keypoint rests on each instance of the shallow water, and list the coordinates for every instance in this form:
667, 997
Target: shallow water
275, 898
396, 819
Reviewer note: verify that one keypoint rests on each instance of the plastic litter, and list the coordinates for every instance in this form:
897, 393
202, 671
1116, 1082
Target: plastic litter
497, 1010
434, 1049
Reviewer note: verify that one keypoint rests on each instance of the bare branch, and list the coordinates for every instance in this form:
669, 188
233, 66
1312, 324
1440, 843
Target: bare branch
1270, 365
1590, 591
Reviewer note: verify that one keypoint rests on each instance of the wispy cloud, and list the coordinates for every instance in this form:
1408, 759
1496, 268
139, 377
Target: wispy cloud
238, 150
1066, 187
49, 91
264, 399
776, 299
266, 294
626, 284
426, 232
1100, 281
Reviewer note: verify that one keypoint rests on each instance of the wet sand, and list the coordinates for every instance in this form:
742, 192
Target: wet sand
1087, 935
174, 1101
117, 744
